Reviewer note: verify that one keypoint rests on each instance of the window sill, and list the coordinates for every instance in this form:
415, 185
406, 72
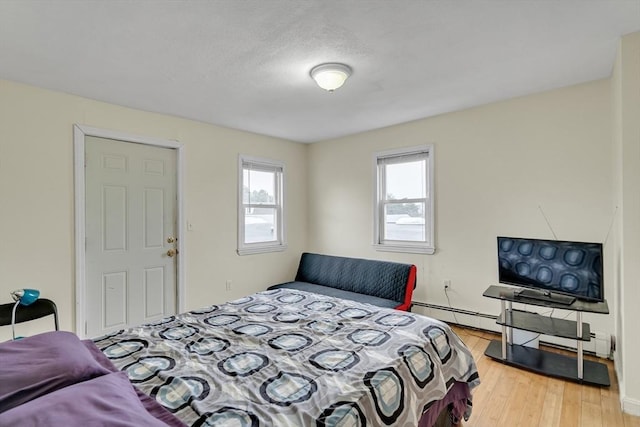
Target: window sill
409, 249
261, 249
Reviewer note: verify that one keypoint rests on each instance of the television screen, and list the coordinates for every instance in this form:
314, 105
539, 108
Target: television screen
573, 268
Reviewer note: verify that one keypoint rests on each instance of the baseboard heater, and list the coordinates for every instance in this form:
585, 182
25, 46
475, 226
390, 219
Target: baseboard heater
453, 309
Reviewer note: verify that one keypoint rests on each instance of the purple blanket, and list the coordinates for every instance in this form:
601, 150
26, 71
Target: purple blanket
56, 379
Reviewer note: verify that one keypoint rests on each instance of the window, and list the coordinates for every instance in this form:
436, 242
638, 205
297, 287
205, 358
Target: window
404, 200
260, 207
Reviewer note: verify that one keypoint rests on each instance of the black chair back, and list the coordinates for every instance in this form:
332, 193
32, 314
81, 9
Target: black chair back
40, 308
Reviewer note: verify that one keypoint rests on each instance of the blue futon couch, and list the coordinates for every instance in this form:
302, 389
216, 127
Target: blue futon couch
381, 283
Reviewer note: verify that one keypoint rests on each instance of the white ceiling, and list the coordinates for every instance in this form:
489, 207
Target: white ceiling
245, 63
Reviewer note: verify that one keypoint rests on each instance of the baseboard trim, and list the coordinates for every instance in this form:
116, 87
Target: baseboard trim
631, 406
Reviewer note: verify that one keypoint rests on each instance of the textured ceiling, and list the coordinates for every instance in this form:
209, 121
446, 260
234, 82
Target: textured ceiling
245, 63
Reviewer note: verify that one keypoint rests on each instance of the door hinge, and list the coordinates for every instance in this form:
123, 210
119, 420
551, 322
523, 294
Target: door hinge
85, 328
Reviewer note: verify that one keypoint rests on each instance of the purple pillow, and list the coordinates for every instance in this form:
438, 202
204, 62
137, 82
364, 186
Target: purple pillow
99, 356
37, 365
151, 405
109, 400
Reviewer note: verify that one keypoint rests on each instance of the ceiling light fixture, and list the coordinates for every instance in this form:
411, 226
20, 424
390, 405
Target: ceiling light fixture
330, 76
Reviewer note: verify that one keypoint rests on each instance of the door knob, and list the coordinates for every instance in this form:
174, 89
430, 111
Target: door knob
171, 239
172, 252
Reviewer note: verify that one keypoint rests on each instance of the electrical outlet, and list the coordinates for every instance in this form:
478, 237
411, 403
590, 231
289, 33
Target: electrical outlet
447, 284
228, 285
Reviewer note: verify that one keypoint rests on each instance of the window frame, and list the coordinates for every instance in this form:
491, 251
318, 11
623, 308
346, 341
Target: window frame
421, 247
280, 243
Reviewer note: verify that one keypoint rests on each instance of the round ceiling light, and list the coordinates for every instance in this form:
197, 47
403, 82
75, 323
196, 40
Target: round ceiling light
330, 76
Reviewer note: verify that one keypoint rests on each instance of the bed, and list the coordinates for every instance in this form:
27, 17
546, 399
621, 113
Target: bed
292, 358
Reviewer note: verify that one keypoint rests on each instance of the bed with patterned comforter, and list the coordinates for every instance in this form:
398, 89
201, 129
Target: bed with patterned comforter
292, 358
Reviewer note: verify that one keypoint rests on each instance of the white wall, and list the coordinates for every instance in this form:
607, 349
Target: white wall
495, 167
626, 148
36, 197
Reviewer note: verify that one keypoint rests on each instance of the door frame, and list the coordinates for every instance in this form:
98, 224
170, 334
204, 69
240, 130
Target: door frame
80, 132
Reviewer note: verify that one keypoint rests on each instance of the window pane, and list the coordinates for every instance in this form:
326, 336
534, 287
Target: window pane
245, 186
261, 186
406, 180
404, 221
260, 225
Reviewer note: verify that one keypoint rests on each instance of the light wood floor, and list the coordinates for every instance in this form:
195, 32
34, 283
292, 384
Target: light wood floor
510, 396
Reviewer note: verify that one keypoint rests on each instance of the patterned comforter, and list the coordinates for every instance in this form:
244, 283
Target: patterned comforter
292, 358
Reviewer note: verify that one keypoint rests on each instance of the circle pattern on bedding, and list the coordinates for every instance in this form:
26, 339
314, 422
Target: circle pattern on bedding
395, 320
369, 337
243, 364
439, 341
207, 346
287, 388
124, 348
260, 308
205, 310
177, 392
179, 332
354, 313
290, 298
147, 367
222, 319
290, 342
334, 360
320, 305
290, 317
419, 363
228, 416
342, 414
387, 389
253, 329
324, 326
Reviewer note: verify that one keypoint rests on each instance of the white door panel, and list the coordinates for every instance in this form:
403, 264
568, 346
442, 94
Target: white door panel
130, 213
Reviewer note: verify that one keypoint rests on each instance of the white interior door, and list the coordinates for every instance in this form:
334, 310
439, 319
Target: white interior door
130, 226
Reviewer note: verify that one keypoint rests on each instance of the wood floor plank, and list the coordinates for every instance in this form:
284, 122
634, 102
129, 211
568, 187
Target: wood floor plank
571, 405
611, 411
512, 411
508, 396
591, 394
631, 421
499, 398
482, 394
469, 339
556, 386
551, 409
591, 415
531, 413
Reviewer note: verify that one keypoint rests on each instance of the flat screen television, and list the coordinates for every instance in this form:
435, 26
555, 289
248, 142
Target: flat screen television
552, 267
